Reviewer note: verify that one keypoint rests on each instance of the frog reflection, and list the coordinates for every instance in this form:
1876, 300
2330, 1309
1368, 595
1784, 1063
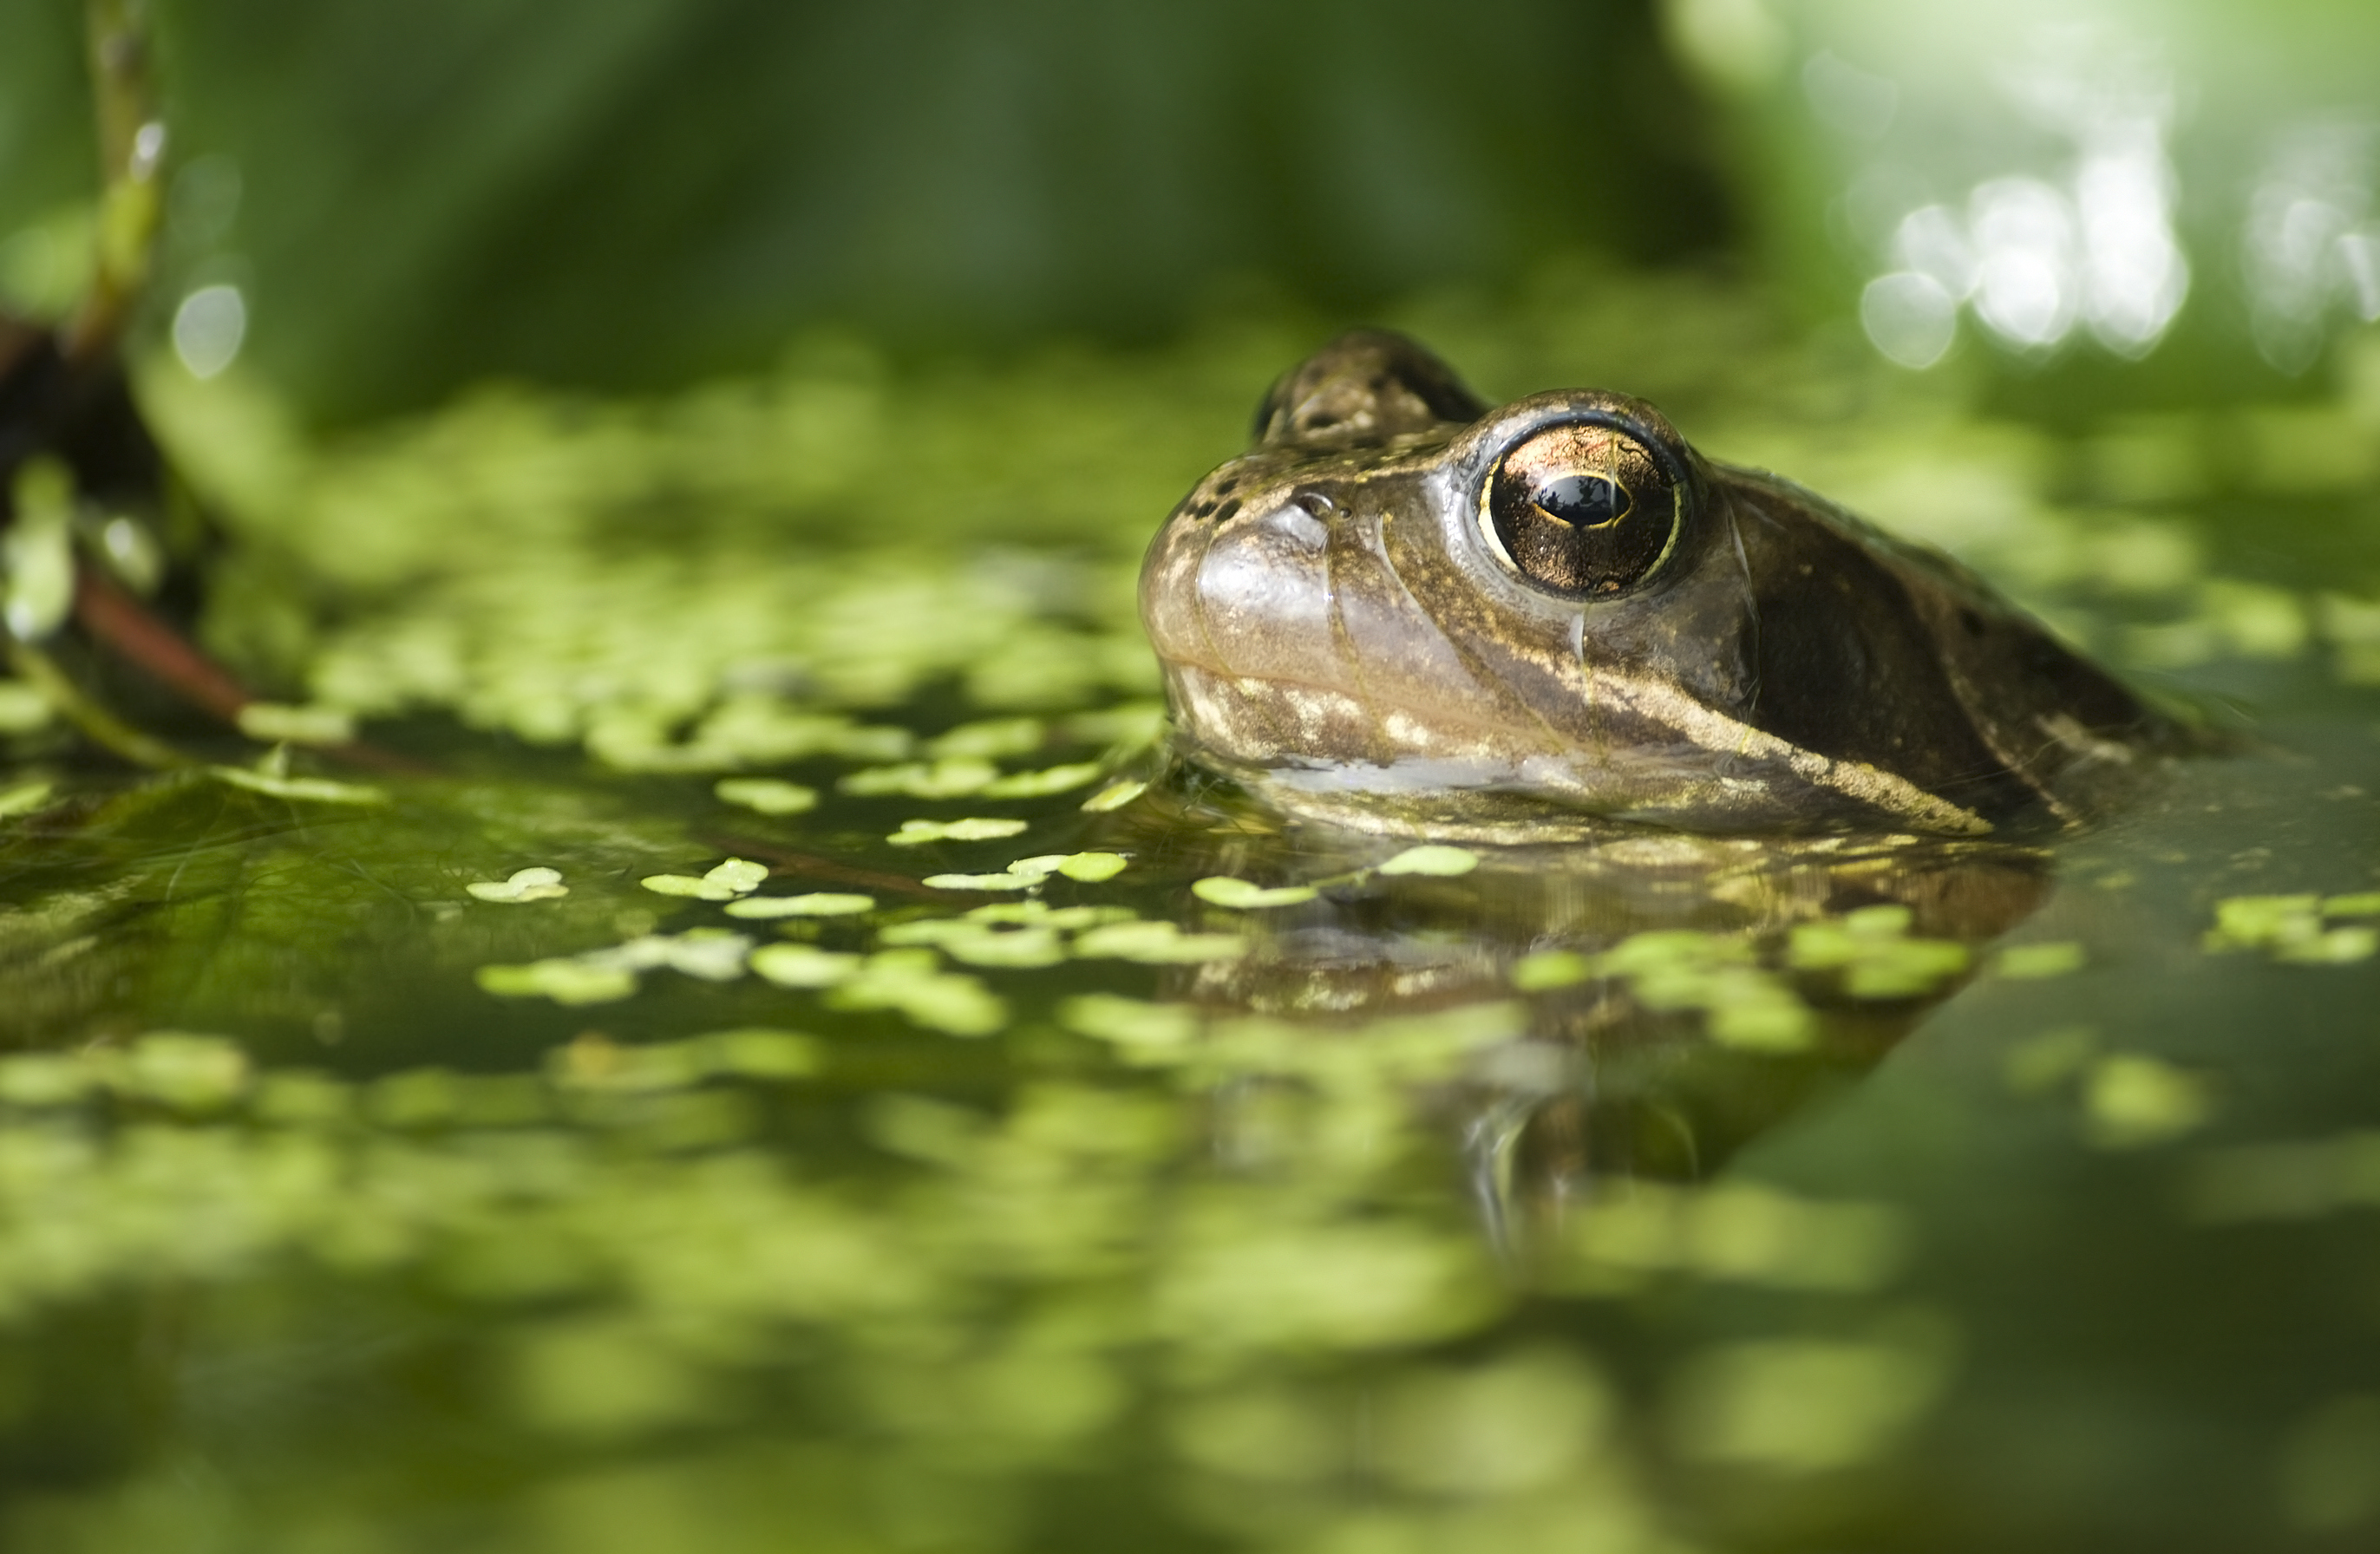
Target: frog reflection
1662, 1051
1405, 612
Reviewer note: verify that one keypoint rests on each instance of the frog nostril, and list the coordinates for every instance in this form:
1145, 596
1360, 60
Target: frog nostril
1301, 520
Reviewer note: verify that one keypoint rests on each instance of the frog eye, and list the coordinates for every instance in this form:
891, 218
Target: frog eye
1585, 511
1591, 500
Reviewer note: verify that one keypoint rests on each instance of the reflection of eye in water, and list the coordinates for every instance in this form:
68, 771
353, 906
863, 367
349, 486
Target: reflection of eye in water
1671, 997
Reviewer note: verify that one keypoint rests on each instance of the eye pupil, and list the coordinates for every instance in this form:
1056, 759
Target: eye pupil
1587, 509
1583, 501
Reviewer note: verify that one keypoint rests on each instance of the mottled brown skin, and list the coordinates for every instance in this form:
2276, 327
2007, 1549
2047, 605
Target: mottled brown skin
1342, 629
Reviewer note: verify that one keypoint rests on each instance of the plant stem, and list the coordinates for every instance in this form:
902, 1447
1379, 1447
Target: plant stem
98, 725
132, 153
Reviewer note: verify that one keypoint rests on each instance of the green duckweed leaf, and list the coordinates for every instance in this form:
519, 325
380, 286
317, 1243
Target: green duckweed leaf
990, 739
1158, 943
760, 1052
817, 904
2030, 962
912, 982
297, 1098
23, 708
37, 1079
1547, 969
2340, 946
2040, 1062
187, 1072
1042, 783
1431, 858
1065, 920
564, 980
1088, 868
1133, 1025
972, 828
1683, 970
316, 790
1010, 880
1018, 948
768, 796
802, 966
954, 777
25, 798
2131, 1101
1872, 949
711, 954
2250, 922
2290, 927
736, 877
37, 551
271, 722
1115, 795
1243, 896
525, 885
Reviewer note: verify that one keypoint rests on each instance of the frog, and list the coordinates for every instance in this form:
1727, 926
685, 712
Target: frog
1408, 611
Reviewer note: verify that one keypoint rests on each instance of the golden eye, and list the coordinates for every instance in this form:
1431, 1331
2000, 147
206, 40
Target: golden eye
1585, 511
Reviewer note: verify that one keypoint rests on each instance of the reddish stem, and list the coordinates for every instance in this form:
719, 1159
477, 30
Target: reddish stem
121, 620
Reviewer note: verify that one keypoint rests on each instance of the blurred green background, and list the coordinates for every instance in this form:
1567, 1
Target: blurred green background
633, 193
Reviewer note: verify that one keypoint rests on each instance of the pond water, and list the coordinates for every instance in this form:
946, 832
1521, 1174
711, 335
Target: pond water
778, 1061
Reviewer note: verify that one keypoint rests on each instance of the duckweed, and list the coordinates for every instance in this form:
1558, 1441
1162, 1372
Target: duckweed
1871, 948
802, 966
1115, 795
912, 982
535, 883
1747, 1234
311, 790
1807, 1405
1158, 943
1432, 858
814, 904
973, 829
769, 795
951, 777
2026, 962
272, 723
1742, 1005
2293, 928
564, 980
723, 882
1243, 895
1042, 783
25, 798
2131, 1099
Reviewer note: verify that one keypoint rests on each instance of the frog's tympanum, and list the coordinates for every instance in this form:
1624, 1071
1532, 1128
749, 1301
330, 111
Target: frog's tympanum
1405, 610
